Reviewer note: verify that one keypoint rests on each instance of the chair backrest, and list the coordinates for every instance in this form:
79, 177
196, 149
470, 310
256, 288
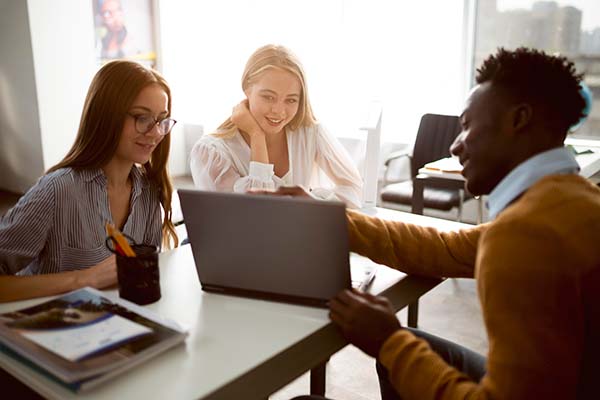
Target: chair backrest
436, 134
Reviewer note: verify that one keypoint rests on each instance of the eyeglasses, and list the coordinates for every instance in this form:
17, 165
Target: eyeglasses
145, 122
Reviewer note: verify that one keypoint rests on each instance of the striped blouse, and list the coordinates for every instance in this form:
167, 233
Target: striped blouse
59, 224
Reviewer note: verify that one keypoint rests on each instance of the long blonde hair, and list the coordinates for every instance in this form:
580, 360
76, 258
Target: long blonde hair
274, 57
111, 94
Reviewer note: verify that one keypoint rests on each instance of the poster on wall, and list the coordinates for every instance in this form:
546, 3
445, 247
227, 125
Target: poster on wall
125, 29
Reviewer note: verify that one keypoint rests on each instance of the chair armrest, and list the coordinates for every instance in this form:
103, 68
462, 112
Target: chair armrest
393, 168
395, 155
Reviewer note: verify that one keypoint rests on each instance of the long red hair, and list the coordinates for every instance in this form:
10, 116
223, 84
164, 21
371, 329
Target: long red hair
111, 94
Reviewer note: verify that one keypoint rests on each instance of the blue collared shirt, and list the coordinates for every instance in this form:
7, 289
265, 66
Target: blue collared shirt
556, 161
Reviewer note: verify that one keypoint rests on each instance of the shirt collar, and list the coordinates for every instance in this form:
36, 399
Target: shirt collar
90, 174
137, 177
556, 161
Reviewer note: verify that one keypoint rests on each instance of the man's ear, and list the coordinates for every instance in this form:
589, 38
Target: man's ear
521, 116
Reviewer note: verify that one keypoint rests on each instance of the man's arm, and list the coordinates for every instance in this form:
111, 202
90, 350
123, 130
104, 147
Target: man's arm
414, 249
530, 295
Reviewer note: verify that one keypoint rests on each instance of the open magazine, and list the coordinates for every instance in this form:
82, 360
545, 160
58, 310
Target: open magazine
84, 338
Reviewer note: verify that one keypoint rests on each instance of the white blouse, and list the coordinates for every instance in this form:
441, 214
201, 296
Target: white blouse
220, 164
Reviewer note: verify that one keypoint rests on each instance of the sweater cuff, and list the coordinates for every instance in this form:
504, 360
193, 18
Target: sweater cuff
389, 350
262, 172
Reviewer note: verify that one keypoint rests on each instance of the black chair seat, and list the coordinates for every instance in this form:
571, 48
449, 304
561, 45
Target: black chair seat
440, 199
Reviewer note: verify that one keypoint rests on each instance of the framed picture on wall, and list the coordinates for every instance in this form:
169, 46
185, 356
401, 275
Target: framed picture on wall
125, 29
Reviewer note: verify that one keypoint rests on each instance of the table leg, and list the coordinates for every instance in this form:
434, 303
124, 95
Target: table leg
317, 379
479, 209
413, 314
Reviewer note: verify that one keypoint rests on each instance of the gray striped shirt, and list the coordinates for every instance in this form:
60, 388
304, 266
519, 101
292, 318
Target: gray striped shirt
59, 224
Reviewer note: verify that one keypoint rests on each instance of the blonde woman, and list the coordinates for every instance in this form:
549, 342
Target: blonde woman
272, 138
52, 240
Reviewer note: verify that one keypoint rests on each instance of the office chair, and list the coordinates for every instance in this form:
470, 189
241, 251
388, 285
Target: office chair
436, 134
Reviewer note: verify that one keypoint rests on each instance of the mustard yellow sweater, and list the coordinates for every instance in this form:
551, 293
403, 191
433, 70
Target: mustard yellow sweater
538, 272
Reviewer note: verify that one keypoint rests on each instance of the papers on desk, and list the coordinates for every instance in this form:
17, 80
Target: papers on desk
448, 164
83, 338
577, 150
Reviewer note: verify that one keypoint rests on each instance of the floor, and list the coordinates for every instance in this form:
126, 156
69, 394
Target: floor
451, 310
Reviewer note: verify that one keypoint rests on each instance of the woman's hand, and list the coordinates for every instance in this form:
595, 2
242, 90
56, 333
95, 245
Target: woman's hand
289, 191
243, 119
101, 275
245, 122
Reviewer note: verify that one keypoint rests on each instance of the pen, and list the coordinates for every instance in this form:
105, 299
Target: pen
119, 240
366, 284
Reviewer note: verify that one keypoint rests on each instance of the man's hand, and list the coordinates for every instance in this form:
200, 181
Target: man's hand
365, 320
243, 119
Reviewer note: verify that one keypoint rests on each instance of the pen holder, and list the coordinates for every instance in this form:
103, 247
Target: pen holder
139, 278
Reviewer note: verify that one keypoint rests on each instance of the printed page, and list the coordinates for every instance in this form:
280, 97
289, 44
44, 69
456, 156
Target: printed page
76, 342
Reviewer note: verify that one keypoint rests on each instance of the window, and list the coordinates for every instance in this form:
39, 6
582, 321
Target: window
568, 27
406, 55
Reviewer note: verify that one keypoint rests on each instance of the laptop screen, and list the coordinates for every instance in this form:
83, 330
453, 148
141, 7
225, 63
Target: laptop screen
272, 247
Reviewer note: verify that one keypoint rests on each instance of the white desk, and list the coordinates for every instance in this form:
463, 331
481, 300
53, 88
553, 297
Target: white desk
237, 348
589, 163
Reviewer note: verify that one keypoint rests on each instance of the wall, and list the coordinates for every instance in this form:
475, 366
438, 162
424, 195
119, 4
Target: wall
47, 64
406, 55
20, 139
62, 36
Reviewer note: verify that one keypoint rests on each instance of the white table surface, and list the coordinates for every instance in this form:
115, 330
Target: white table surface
229, 336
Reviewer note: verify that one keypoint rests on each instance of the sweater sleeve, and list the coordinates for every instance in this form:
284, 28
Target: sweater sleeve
414, 249
531, 313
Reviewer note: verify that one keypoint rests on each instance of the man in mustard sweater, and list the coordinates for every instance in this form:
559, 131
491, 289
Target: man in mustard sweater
537, 264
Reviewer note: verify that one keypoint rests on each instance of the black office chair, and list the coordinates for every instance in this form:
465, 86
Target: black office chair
436, 134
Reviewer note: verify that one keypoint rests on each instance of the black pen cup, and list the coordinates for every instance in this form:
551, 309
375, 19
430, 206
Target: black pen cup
139, 278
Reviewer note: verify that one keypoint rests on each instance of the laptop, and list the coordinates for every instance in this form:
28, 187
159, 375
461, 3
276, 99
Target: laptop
268, 247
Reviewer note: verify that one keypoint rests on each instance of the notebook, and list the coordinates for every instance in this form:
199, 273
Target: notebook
270, 247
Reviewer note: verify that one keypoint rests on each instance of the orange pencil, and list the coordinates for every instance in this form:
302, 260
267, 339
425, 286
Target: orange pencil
120, 240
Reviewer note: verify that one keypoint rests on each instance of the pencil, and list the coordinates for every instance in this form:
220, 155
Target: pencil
120, 240
366, 284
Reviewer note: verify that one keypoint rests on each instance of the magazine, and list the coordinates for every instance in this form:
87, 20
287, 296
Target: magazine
83, 338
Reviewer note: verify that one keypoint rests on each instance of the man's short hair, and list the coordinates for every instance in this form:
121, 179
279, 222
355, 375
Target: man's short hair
533, 76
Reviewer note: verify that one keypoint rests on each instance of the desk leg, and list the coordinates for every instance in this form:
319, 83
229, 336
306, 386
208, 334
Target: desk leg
417, 197
413, 314
317, 379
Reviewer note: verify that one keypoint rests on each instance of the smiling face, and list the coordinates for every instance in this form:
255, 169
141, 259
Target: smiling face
138, 147
274, 99
486, 144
